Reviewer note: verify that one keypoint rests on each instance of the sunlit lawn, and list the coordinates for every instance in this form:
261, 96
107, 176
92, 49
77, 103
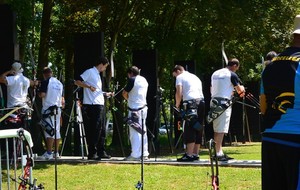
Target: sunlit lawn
161, 177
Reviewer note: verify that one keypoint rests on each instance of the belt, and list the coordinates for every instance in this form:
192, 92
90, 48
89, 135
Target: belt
137, 109
220, 98
194, 100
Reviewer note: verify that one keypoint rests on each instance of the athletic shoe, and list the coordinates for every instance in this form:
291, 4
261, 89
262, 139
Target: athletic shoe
105, 155
145, 158
227, 157
223, 158
196, 157
94, 157
55, 155
47, 156
131, 158
186, 158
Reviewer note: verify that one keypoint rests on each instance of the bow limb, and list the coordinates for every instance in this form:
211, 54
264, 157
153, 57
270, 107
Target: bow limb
224, 56
112, 67
34, 77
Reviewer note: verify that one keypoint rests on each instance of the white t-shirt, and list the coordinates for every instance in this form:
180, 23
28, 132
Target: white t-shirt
53, 94
221, 83
138, 94
191, 86
92, 78
17, 90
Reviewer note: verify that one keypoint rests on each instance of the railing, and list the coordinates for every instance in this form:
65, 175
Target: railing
16, 156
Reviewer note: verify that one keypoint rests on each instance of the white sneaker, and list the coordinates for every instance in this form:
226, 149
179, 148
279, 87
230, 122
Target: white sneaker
47, 156
145, 158
130, 158
55, 155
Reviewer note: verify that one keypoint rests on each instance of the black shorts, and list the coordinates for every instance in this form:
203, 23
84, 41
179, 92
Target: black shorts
190, 134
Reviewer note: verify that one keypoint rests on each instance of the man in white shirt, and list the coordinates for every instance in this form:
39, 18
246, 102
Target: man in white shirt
223, 84
135, 93
93, 109
189, 89
17, 91
17, 85
51, 92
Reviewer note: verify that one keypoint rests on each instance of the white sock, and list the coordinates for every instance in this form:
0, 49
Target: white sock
220, 153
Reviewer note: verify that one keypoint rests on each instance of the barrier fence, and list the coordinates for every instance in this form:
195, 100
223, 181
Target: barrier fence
16, 157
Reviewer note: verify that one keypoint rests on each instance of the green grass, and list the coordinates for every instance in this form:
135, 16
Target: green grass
247, 151
102, 176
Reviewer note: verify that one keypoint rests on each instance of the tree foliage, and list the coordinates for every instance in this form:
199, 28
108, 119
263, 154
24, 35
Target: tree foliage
178, 29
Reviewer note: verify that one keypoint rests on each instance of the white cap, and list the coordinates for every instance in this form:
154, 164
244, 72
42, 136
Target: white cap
297, 25
17, 67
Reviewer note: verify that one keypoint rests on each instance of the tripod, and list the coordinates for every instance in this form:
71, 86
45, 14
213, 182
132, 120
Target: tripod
76, 116
112, 110
160, 109
245, 119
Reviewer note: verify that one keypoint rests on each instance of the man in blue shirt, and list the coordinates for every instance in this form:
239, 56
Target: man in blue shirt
281, 139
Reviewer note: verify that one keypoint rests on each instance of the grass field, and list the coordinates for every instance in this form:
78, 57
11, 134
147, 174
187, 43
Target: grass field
104, 176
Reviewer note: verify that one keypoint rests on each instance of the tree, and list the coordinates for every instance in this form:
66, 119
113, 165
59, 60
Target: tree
179, 30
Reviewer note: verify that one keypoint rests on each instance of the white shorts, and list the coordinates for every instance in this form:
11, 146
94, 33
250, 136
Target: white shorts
221, 124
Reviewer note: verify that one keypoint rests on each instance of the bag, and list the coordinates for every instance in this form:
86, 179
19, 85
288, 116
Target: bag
133, 121
46, 126
217, 107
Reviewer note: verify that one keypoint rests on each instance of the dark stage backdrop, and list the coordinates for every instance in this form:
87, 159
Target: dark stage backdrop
7, 40
88, 47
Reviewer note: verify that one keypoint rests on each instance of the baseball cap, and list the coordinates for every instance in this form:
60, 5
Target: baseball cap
297, 25
17, 67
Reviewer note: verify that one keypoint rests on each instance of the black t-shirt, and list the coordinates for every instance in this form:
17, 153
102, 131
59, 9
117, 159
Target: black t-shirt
130, 84
44, 86
278, 80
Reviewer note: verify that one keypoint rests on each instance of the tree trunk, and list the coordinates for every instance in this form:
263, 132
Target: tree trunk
42, 62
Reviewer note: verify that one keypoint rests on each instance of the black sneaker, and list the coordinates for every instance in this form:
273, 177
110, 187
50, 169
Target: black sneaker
94, 157
186, 158
223, 158
196, 157
227, 157
105, 155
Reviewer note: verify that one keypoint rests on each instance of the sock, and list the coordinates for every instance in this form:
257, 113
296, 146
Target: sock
49, 152
220, 153
190, 155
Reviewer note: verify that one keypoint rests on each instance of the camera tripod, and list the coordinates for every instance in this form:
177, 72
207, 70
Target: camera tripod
160, 109
76, 116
